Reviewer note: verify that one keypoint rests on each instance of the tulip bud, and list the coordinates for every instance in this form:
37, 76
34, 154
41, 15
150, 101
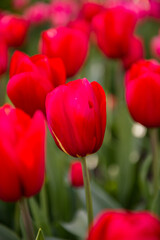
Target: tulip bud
76, 174
3, 57
136, 52
121, 225
76, 114
142, 92
114, 29
13, 29
22, 153
71, 45
32, 78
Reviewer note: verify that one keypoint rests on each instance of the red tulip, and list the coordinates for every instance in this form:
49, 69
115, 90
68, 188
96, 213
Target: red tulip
76, 114
142, 92
70, 45
114, 29
90, 10
32, 78
121, 225
13, 29
76, 174
3, 57
22, 153
136, 52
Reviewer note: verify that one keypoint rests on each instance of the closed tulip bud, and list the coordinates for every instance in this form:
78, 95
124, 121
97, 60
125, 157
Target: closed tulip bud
3, 57
32, 78
71, 45
76, 114
90, 10
121, 225
114, 29
136, 52
76, 174
8, 24
22, 153
142, 92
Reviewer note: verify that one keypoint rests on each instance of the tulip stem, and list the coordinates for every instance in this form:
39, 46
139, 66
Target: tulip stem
26, 219
87, 191
155, 163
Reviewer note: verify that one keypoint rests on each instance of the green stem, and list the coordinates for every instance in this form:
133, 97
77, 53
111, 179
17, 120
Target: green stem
155, 163
87, 191
26, 219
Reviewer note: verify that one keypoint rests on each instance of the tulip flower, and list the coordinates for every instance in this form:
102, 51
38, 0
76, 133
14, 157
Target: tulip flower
3, 57
135, 53
13, 29
76, 174
70, 45
114, 30
22, 153
76, 114
62, 12
142, 92
90, 10
121, 225
32, 78
37, 13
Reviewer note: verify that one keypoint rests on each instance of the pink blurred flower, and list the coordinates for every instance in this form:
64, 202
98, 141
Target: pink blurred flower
61, 12
19, 4
37, 13
155, 45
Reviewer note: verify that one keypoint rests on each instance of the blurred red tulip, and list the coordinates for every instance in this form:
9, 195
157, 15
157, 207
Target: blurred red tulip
32, 78
121, 225
82, 25
155, 45
22, 153
114, 30
13, 29
76, 114
142, 92
135, 53
3, 57
69, 44
90, 10
76, 174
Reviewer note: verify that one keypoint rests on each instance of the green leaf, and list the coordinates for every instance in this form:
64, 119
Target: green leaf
101, 200
40, 235
78, 226
145, 185
7, 234
155, 207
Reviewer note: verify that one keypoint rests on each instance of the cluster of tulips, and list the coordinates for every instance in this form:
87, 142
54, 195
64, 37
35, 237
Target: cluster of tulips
44, 91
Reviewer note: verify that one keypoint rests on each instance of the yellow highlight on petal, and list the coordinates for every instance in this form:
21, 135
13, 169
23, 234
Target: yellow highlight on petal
60, 144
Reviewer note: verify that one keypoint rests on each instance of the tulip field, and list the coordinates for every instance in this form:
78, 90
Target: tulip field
79, 120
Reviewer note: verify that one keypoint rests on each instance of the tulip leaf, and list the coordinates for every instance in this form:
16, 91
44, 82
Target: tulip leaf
144, 184
40, 235
155, 207
78, 226
101, 200
7, 234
